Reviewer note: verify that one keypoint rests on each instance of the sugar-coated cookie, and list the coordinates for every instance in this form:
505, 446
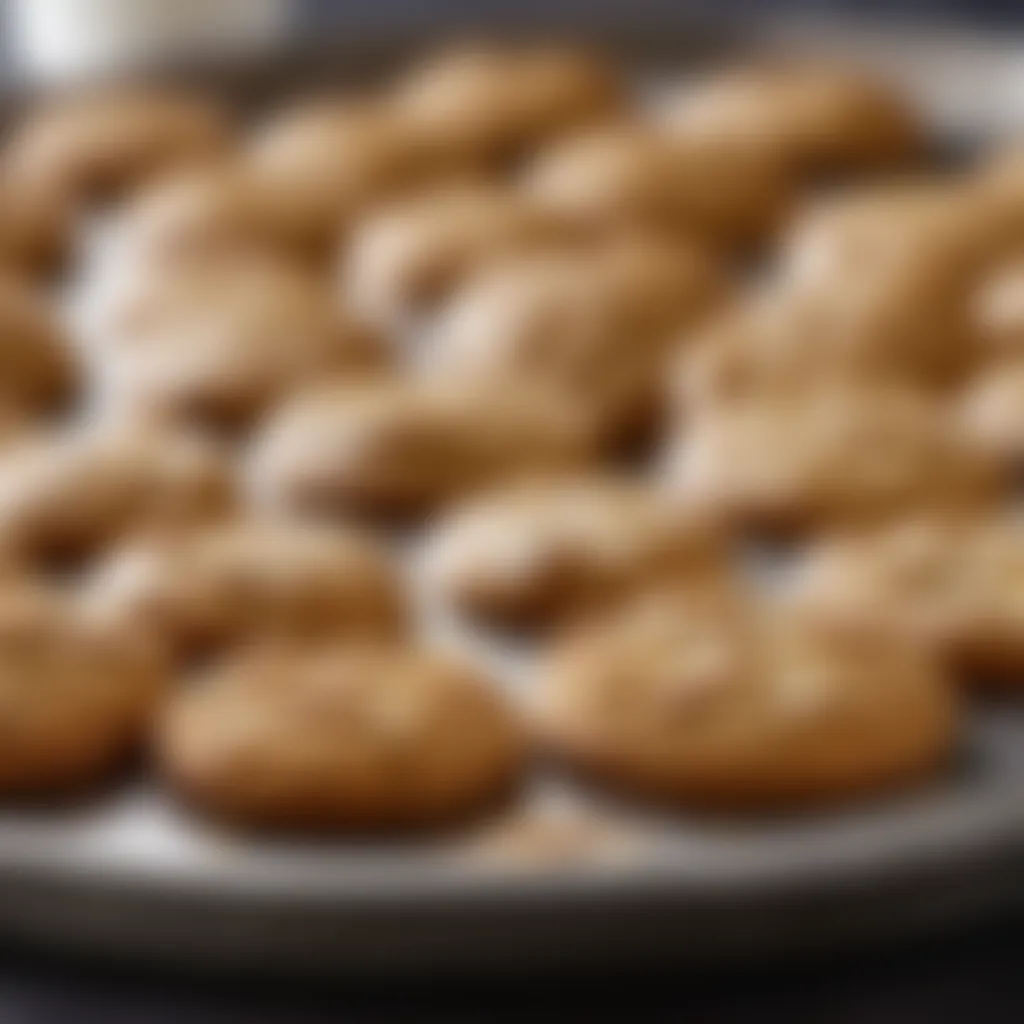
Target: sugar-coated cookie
898, 267
1000, 179
831, 454
788, 339
542, 552
999, 311
217, 344
36, 229
407, 257
403, 448
75, 699
38, 372
198, 212
357, 736
594, 329
990, 412
477, 107
67, 498
100, 145
812, 119
617, 177
710, 700
768, 343
954, 581
326, 162
215, 587
933, 232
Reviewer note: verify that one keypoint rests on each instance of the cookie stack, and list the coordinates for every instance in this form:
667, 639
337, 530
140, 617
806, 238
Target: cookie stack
503, 340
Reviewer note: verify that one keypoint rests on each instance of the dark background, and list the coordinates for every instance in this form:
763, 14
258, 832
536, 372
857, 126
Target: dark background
972, 978
354, 12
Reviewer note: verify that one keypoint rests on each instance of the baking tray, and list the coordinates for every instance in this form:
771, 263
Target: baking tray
564, 873
560, 876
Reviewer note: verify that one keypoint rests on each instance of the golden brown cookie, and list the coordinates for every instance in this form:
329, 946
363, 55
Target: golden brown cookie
990, 412
216, 344
406, 258
37, 368
661, 284
485, 106
896, 268
629, 177
75, 699
784, 339
199, 212
769, 343
99, 145
812, 119
700, 699
325, 162
542, 552
594, 329
953, 581
341, 737
831, 454
1000, 181
63, 499
218, 586
403, 448
1003, 165
999, 312
941, 231
36, 234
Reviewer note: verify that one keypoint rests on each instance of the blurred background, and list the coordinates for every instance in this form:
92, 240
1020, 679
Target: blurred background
45, 32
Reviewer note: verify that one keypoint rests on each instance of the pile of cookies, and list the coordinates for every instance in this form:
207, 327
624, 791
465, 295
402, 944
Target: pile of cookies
576, 351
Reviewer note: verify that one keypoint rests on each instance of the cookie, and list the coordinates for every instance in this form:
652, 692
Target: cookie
36, 229
64, 499
990, 412
403, 260
781, 339
831, 454
217, 344
700, 699
216, 587
610, 178
481, 107
544, 552
403, 448
1000, 180
326, 162
662, 285
999, 312
897, 268
340, 737
1004, 165
765, 344
953, 581
38, 372
218, 209
100, 145
812, 119
594, 329
75, 700
938, 232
